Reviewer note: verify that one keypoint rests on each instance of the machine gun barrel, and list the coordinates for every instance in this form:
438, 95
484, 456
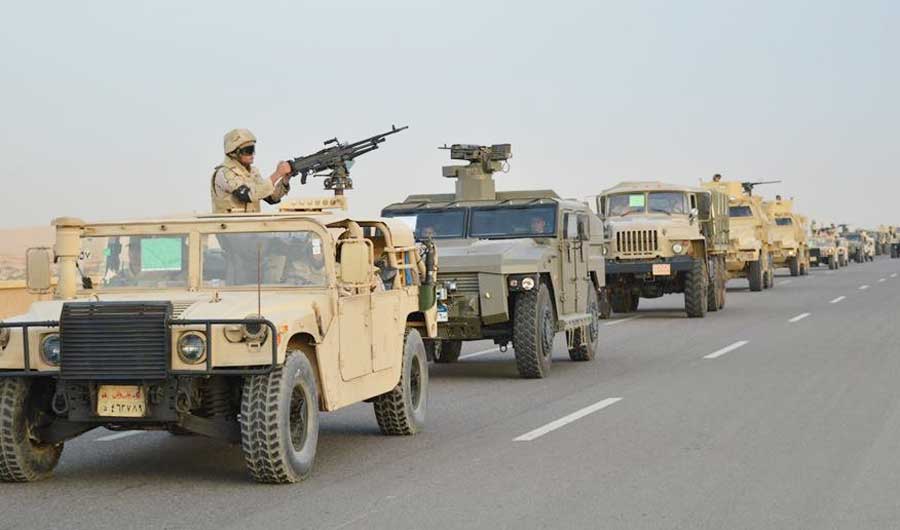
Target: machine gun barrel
335, 157
748, 186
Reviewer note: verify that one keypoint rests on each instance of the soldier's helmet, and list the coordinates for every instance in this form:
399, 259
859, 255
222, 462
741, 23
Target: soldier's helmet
237, 138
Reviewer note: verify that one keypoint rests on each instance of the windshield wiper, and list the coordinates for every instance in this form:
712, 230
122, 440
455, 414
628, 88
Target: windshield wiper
661, 211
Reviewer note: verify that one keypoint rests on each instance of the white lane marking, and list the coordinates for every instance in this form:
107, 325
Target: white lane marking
799, 317
727, 349
565, 420
838, 299
785, 282
479, 353
882, 280
117, 436
829, 272
894, 275
863, 287
620, 320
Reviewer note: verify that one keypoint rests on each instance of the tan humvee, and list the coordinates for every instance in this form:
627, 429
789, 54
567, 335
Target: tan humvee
823, 248
239, 327
790, 246
662, 239
750, 247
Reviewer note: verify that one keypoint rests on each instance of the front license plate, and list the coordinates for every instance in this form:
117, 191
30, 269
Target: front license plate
442, 314
121, 401
662, 269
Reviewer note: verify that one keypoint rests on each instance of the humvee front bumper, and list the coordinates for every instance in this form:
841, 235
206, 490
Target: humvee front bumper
676, 264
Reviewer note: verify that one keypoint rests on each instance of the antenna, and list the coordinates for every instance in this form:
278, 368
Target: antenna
259, 279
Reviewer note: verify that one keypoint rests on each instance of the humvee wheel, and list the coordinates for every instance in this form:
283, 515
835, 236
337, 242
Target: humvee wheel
448, 352
755, 275
23, 457
585, 350
402, 410
534, 328
696, 286
795, 266
280, 422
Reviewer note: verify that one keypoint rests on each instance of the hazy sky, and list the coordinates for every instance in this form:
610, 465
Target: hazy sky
117, 109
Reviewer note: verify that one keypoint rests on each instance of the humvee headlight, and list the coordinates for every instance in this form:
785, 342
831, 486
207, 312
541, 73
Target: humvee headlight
527, 283
50, 349
678, 248
192, 347
4, 338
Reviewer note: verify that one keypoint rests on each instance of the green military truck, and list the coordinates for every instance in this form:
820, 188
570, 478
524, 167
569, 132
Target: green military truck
662, 239
515, 267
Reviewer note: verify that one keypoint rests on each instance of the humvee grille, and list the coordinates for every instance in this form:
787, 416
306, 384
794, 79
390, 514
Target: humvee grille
114, 341
466, 282
632, 242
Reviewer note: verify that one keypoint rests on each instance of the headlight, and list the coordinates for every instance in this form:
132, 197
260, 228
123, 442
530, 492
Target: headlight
192, 347
4, 338
50, 349
528, 283
678, 248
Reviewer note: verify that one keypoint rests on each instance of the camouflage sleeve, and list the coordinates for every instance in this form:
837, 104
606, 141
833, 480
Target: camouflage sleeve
278, 191
225, 181
262, 188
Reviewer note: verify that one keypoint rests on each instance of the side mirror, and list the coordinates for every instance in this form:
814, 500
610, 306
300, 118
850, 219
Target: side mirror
37, 266
356, 262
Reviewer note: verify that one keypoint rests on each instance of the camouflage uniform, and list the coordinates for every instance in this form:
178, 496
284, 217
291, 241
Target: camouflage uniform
231, 175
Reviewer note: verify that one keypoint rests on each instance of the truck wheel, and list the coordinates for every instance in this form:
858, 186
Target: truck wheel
696, 285
712, 292
755, 275
534, 328
605, 305
401, 411
794, 266
832, 264
449, 350
23, 457
623, 302
586, 347
723, 281
280, 422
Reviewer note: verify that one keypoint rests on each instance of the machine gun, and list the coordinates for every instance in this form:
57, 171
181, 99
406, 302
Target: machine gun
475, 181
336, 158
748, 186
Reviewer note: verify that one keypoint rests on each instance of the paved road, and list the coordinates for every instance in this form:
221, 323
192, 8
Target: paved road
783, 411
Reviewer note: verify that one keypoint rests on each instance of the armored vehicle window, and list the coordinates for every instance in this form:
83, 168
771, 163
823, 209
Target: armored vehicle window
438, 224
571, 226
783, 221
136, 261
293, 259
853, 237
527, 221
740, 211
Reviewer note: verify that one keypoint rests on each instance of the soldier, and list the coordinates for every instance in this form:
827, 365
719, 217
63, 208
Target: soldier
237, 186
717, 178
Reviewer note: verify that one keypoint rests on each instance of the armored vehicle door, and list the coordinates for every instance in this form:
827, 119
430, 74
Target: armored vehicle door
574, 265
355, 307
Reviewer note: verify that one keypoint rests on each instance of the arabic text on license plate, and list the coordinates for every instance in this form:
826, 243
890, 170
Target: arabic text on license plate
662, 269
121, 401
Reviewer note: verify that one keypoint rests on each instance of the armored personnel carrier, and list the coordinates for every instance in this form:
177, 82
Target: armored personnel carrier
662, 239
515, 267
749, 252
790, 247
823, 249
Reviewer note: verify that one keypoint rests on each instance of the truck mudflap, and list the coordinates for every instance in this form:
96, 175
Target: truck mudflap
29, 370
676, 264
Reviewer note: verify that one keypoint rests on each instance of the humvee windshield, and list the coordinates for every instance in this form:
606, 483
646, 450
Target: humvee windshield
529, 221
670, 202
145, 261
783, 221
740, 211
291, 259
853, 237
437, 224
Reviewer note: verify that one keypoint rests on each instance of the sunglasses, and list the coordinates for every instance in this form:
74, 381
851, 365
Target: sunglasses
247, 150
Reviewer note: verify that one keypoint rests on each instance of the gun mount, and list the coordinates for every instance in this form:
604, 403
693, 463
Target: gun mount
336, 158
475, 181
748, 186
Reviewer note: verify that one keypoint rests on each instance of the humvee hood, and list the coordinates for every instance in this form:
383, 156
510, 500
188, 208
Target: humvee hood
492, 255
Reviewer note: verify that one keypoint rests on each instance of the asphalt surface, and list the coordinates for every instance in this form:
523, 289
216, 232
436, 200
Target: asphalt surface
754, 417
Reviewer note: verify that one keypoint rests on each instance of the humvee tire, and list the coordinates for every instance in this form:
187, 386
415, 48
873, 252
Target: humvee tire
832, 264
755, 275
794, 266
280, 422
585, 350
624, 303
22, 457
696, 285
534, 328
401, 412
449, 350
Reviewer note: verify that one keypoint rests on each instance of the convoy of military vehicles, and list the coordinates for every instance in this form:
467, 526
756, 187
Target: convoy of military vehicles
244, 326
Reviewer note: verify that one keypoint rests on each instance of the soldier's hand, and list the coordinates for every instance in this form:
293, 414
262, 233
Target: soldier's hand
283, 169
